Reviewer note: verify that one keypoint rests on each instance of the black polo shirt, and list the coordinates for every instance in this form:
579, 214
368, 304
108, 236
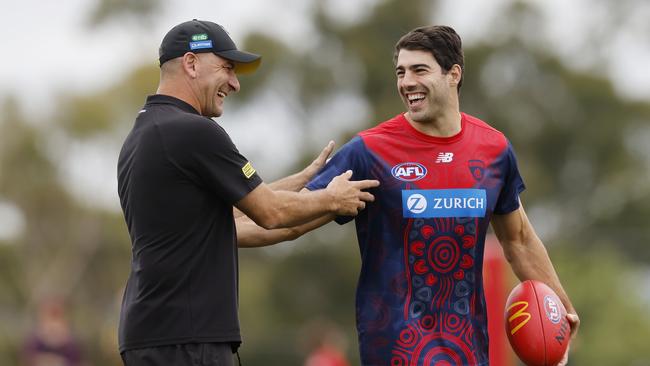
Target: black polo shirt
178, 177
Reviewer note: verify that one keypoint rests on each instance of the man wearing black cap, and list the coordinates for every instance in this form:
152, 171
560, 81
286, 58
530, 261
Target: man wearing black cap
179, 175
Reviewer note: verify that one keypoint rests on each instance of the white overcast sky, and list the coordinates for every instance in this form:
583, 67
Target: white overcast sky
46, 49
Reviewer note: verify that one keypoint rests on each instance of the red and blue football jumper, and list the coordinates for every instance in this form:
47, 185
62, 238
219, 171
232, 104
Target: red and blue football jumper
420, 292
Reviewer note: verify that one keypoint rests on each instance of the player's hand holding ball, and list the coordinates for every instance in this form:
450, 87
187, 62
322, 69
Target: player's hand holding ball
537, 325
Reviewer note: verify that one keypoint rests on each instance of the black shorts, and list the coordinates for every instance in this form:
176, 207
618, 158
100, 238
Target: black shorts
190, 354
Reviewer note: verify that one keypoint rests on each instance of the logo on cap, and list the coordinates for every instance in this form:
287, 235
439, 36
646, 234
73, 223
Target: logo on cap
200, 45
200, 37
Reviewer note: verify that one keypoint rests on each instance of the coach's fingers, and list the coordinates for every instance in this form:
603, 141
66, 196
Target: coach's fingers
365, 184
322, 157
320, 160
347, 175
366, 197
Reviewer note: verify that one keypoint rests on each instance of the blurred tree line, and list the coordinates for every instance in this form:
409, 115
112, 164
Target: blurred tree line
582, 149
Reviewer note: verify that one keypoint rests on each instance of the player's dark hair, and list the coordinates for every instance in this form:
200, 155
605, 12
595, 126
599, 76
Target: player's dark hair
442, 41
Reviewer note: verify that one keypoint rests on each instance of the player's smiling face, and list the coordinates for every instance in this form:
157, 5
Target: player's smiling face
423, 85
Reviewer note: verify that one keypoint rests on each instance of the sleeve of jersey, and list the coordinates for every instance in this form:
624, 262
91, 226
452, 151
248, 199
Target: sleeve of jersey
513, 185
207, 153
350, 157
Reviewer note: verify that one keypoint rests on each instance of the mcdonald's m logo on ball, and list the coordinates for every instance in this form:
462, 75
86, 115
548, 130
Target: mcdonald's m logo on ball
519, 313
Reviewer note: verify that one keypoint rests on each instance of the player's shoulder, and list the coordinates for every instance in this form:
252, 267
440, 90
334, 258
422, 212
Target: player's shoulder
385, 128
476, 122
483, 130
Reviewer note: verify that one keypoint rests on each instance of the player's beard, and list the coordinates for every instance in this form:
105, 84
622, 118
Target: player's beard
432, 109
436, 102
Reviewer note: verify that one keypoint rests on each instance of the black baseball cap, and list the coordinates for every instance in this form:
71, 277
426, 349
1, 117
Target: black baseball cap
203, 36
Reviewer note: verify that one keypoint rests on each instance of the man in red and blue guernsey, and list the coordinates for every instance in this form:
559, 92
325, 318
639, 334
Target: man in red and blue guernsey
445, 175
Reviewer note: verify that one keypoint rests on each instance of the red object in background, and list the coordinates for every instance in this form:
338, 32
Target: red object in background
326, 356
496, 286
536, 324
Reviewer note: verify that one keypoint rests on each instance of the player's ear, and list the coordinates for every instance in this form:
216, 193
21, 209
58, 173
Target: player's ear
189, 63
455, 75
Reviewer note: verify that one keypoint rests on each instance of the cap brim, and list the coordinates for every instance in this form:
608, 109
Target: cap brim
245, 62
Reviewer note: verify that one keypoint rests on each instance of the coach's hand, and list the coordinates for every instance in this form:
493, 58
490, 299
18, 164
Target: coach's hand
310, 170
348, 196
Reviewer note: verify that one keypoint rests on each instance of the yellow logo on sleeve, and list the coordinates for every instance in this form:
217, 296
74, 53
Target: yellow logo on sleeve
248, 170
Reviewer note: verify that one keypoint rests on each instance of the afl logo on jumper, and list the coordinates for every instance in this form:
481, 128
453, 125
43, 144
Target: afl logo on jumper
409, 172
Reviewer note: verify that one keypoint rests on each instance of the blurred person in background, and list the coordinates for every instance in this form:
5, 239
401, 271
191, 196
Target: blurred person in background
51, 342
445, 176
327, 344
179, 176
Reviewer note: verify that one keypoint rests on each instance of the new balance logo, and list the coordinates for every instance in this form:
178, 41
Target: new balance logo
445, 157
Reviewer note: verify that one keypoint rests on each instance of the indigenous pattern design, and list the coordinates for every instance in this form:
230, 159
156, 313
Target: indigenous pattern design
420, 291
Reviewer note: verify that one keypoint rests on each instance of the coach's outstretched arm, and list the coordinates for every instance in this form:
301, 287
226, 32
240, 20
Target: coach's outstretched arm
276, 209
529, 259
251, 235
297, 181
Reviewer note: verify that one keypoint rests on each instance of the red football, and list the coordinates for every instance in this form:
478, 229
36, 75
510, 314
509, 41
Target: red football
536, 324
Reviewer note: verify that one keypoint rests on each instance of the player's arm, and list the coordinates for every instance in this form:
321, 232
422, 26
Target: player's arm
528, 257
282, 209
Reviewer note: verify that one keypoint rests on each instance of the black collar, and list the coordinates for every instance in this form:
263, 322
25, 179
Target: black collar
167, 99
